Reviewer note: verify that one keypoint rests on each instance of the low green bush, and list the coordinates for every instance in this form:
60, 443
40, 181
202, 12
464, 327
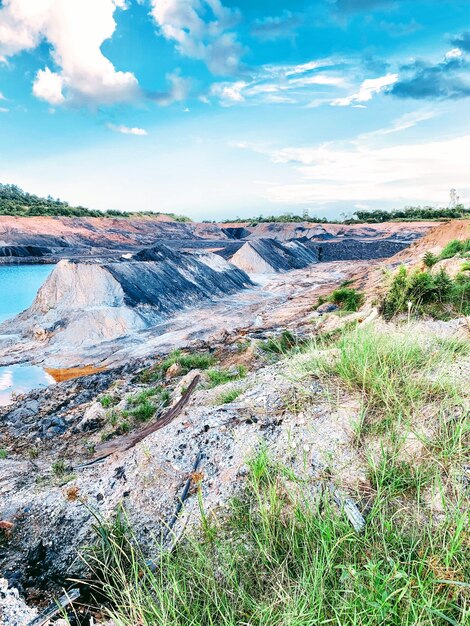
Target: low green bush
220, 376
347, 299
430, 259
455, 247
421, 292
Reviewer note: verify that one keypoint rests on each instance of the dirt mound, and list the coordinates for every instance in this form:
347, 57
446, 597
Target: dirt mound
284, 231
88, 303
266, 256
372, 281
434, 241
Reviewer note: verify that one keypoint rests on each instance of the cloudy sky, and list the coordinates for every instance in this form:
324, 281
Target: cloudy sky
218, 108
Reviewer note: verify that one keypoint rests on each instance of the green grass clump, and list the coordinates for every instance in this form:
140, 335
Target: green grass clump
283, 343
455, 247
108, 401
58, 467
395, 476
229, 396
421, 292
280, 557
392, 371
3, 454
221, 376
347, 299
145, 404
188, 362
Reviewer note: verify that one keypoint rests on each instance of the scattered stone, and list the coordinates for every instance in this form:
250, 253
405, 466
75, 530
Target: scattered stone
327, 307
173, 371
93, 418
13, 610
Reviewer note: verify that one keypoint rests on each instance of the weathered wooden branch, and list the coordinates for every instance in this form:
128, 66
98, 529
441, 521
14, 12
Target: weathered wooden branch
55, 607
184, 496
128, 441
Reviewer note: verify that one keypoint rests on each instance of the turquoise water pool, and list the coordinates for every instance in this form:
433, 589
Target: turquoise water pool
21, 379
18, 287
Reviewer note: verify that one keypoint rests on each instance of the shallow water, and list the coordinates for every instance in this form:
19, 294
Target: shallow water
18, 287
21, 379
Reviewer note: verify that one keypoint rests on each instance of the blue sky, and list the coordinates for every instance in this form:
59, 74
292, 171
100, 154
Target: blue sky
219, 108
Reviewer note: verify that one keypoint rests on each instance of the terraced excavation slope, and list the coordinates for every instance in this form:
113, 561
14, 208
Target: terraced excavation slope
265, 256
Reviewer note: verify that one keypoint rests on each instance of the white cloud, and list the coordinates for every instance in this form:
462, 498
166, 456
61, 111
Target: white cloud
48, 86
402, 123
368, 88
455, 53
76, 29
201, 30
4, 110
290, 84
179, 90
404, 173
229, 93
128, 130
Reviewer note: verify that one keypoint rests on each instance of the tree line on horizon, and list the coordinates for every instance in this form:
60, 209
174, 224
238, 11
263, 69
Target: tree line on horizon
16, 202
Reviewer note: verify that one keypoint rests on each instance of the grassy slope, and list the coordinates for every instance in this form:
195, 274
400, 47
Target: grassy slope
283, 554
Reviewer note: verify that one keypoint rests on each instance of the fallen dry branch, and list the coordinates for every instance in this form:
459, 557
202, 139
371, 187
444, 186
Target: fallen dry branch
128, 441
184, 496
56, 607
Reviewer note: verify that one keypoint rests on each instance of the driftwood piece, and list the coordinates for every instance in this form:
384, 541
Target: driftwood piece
55, 607
128, 441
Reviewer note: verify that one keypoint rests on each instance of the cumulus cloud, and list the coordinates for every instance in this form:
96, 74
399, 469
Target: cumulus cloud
75, 29
201, 30
367, 90
48, 86
128, 130
448, 79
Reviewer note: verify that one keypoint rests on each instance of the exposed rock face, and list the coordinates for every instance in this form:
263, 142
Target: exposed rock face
357, 249
23, 251
87, 303
28, 239
265, 256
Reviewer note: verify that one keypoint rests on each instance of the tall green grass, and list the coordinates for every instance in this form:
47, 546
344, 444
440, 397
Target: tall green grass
281, 557
394, 372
